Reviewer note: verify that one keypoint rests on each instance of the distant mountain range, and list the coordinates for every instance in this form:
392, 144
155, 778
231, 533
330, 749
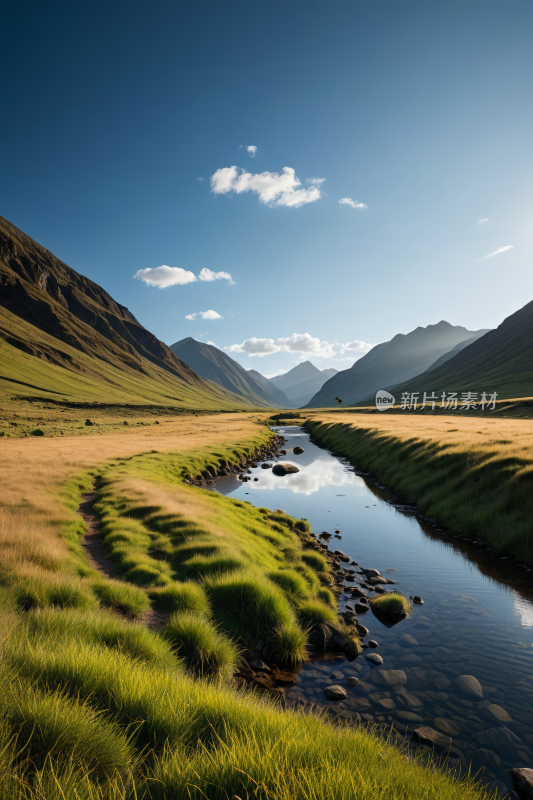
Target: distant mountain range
302, 382
62, 336
215, 365
500, 361
390, 363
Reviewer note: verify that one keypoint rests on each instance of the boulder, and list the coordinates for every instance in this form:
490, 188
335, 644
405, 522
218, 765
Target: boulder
284, 468
372, 643
335, 693
361, 630
320, 636
351, 650
470, 686
523, 783
389, 677
447, 726
357, 592
431, 738
266, 465
418, 600
495, 714
361, 608
374, 658
498, 739
297, 451
379, 589
352, 680
408, 717
337, 642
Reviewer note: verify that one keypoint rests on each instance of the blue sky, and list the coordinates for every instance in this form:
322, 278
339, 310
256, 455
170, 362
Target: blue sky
420, 111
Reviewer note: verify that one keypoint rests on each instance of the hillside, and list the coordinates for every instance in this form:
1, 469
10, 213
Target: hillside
500, 361
453, 352
302, 382
213, 364
280, 397
61, 333
405, 356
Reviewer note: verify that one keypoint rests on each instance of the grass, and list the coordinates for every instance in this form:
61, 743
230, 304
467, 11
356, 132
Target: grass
205, 650
97, 707
474, 476
394, 604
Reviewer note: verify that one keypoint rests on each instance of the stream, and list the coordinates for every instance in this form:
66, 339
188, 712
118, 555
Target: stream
477, 616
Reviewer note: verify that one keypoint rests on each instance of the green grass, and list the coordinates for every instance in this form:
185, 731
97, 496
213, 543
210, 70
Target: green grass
182, 597
121, 596
204, 649
391, 604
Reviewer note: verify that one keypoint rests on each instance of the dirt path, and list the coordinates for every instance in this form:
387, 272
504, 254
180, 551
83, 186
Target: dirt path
96, 552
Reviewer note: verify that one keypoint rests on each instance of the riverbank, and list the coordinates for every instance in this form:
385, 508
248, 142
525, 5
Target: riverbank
98, 706
474, 476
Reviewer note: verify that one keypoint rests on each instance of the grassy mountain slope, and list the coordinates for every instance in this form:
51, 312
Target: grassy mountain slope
458, 347
500, 361
60, 333
405, 356
216, 366
302, 382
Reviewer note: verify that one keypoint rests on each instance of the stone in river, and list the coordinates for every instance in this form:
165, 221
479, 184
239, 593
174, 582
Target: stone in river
431, 738
372, 573
497, 714
447, 726
357, 592
385, 703
388, 677
284, 468
484, 757
498, 738
361, 630
470, 686
406, 638
374, 658
408, 716
523, 783
411, 658
379, 589
338, 675
360, 608
335, 693
297, 450
352, 680
418, 600
372, 643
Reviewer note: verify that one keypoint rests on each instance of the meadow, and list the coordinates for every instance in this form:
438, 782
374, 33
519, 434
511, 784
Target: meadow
94, 702
473, 474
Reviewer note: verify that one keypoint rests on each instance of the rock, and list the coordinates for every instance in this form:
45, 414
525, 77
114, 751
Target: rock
361, 630
484, 758
283, 452
408, 639
431, 738
374, 658
284, 468
297, 451
494, 713
523, 783
469, 686
418, 600
372, 643
89, 423
266, 465
357, 592
256, 479
351, 650
285, 677
385, 703
360, 608
498, 738
335, 693
411, 658
408, 716
388, 677
352, 680
379, 589
447, 726
338, 642
259, 666
320, 637
372, 573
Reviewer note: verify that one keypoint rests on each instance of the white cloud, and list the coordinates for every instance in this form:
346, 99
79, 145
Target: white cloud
210, 314
274, 373
209, 275
191, 316
165, 276
199, 179
497, 252
483, 221
347, 201
273, 188
213, 345
252, 149
315, 181
297, 343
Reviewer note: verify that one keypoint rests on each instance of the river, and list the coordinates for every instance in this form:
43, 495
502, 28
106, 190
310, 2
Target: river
477, 616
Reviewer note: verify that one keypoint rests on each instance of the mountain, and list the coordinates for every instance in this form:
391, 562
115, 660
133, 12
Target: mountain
500, 361
405, 356
214, 364
453, 352
280, 397
62, 334
302, 382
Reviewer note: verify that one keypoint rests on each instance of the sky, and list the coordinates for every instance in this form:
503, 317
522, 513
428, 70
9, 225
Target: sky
287, 180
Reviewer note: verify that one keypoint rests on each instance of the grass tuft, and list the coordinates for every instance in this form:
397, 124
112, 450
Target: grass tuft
391, 604
205, 650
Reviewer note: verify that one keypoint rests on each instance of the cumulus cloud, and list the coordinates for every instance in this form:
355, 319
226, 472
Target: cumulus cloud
273, 188
315, 181
164, 276
347, 201
209, 275
204, 315
497, 252
302, 343
483, 221
252, 149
